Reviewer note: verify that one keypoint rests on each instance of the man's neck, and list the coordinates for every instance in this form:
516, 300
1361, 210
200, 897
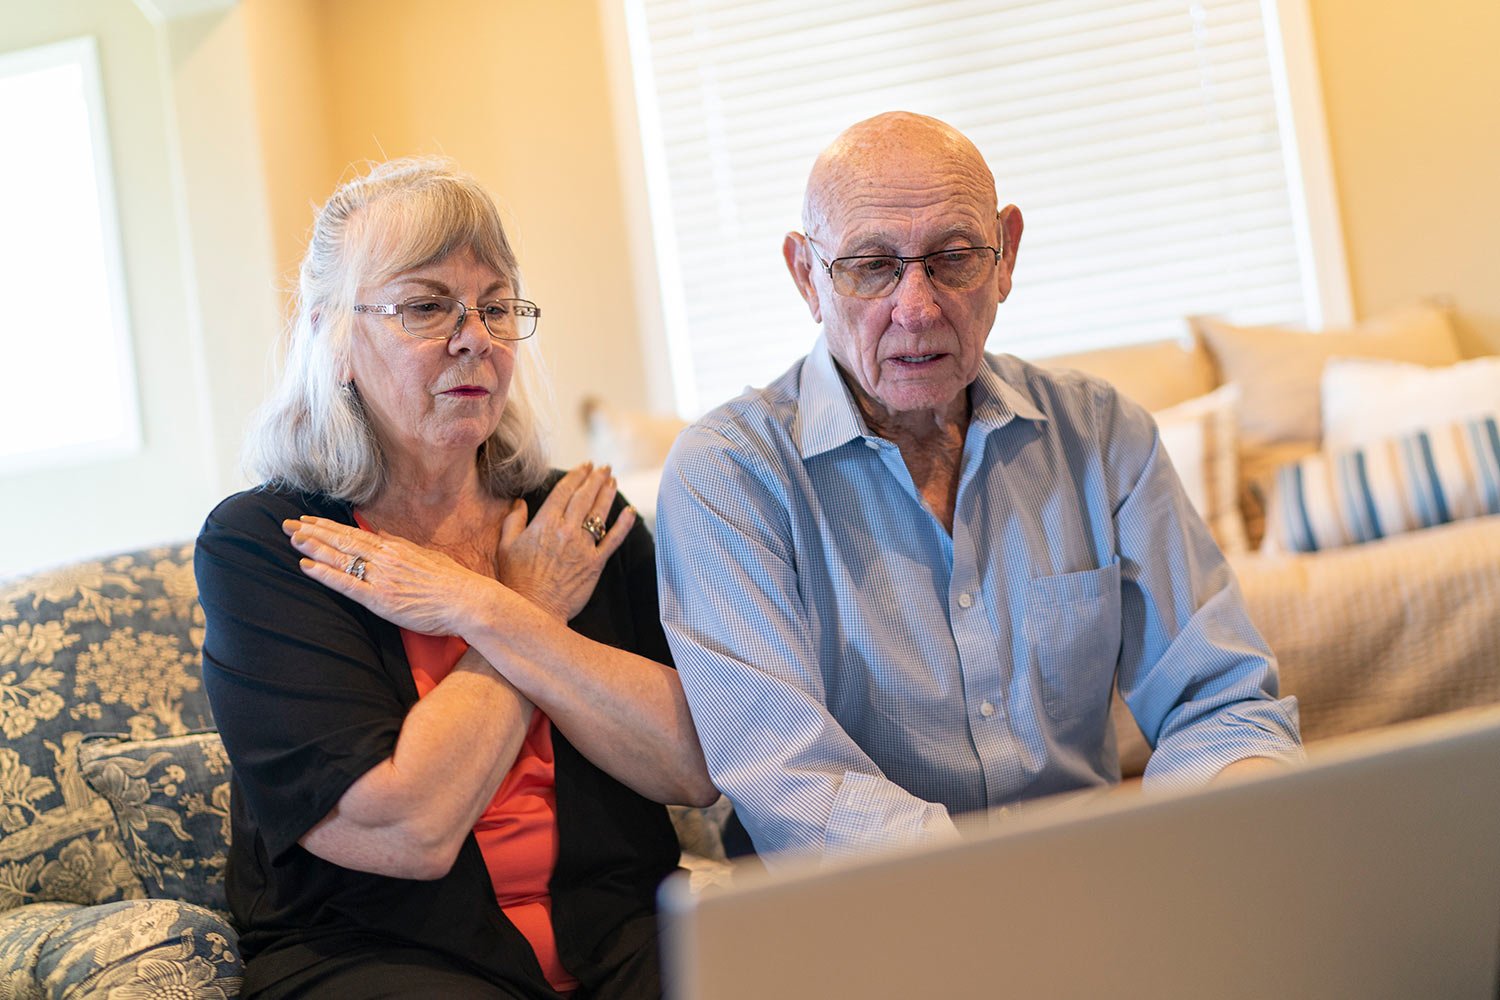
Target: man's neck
931, 443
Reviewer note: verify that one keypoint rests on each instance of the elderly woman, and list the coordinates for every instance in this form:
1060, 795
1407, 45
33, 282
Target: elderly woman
436, 665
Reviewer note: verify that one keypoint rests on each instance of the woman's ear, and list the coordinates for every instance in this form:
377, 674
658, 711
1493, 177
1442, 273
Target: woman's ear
798, 254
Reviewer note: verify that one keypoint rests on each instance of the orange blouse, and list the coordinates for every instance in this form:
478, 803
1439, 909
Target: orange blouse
517, 832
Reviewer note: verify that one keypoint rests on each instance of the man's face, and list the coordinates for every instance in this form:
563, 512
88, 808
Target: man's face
919, 347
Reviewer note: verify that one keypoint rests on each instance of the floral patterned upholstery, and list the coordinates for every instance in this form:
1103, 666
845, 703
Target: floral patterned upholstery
114, 789
170, 798
108, 646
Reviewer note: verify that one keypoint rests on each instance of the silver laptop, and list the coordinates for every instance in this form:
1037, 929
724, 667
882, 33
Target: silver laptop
1373, 872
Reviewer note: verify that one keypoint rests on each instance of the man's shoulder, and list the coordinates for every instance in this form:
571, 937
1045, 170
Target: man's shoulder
754, 418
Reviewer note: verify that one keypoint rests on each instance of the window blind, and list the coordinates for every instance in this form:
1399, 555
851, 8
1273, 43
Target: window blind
1139, 139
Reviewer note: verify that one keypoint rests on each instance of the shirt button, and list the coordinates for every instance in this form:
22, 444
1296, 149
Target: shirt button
872, 444
966, 600
986, 709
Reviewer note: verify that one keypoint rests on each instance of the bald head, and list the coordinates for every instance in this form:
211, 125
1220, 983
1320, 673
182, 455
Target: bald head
895, 147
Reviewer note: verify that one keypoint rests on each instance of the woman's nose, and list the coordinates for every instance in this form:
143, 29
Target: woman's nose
471, 335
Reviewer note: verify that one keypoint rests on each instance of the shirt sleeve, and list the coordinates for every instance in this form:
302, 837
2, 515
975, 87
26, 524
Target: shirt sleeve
296, 674
742, 640
1194, 671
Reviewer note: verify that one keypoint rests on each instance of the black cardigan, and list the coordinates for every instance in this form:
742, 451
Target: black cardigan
309, 691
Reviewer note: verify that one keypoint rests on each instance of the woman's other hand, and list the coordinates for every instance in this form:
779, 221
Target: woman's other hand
407, 585
555, 560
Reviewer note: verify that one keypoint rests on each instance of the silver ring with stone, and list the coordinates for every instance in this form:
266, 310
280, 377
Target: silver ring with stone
356, 568
594, 525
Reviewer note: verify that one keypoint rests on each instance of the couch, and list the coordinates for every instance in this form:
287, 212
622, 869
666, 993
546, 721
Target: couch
114, 789
1367, 633
114, 796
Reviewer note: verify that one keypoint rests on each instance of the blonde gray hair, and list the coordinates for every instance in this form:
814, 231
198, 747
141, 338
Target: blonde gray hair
312, 433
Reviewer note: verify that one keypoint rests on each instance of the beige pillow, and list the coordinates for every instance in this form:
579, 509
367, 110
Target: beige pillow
1279, 369
1199, 436
628, 440
1156, 374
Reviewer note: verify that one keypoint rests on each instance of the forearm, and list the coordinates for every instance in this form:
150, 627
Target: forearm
625, 713
409, 815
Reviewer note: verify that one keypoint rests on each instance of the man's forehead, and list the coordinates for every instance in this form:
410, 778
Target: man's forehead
893, 172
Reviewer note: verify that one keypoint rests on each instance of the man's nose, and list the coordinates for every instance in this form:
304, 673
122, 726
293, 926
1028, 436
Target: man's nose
915, 297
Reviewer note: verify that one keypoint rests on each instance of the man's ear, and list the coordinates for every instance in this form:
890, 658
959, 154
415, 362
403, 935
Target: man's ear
799, 261
1010, 229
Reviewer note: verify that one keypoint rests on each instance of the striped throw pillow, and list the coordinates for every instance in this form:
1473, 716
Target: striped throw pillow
1389, 487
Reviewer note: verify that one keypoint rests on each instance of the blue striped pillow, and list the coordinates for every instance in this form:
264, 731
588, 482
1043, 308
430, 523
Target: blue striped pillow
1388, 487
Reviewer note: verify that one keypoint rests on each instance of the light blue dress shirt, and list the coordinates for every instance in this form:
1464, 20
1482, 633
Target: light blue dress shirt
857, 675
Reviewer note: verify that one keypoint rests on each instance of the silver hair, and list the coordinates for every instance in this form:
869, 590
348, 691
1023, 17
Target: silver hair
312, 434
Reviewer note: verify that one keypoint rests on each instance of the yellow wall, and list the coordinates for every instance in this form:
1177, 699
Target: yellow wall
516, 92
1412, 95
187, 185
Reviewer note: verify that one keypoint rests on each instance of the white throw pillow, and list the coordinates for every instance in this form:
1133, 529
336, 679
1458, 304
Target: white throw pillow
1366, 400
1200, 438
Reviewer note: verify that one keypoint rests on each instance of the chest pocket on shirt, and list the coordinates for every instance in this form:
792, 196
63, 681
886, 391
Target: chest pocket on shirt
1073, 623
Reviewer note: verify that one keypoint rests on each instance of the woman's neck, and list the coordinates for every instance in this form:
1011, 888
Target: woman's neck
458, 517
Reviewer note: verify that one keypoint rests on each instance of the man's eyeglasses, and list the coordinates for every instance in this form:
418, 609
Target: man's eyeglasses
439, 317
874, 276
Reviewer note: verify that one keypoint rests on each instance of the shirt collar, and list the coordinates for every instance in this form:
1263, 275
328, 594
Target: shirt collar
827, 416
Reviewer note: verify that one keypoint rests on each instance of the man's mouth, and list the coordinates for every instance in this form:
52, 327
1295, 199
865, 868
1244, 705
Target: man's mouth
914, 359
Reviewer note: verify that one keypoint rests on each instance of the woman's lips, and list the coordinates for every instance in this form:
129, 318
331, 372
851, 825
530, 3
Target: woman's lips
467, 391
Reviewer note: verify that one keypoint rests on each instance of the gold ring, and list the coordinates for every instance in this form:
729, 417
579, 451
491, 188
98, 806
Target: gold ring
356, 568
594, 525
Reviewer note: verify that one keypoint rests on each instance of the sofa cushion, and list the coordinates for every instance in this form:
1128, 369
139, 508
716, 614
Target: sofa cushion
127, 950
1157, 374
1278, 370
1418, 480
108, 644
1199, 435
170, 798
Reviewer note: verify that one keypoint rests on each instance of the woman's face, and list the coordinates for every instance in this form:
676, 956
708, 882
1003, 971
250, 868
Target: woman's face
432, 402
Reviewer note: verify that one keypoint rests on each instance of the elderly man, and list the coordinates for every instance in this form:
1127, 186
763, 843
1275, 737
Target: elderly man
900, 581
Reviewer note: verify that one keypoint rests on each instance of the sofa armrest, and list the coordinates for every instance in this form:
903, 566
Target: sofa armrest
135, 947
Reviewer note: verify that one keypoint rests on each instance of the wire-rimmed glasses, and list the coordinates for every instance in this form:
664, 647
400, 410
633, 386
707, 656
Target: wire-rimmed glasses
874, 276
439, 317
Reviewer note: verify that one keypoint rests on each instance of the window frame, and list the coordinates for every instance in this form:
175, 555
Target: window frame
661, 306
82, 54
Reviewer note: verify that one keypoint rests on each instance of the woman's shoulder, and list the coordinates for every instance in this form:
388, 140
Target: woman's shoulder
267, 505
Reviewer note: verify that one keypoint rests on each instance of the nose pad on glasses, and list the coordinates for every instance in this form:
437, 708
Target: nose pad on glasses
482, 334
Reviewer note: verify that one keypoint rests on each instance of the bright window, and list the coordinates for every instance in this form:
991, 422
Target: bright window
1146, 143
67, 387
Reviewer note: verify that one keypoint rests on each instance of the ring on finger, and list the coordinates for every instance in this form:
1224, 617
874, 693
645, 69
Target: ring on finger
356, 568
594, 525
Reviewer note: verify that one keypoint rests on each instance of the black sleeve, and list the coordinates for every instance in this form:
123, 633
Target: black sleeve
299, 678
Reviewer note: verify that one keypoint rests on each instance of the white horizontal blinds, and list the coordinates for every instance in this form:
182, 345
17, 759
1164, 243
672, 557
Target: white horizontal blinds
1139, 139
